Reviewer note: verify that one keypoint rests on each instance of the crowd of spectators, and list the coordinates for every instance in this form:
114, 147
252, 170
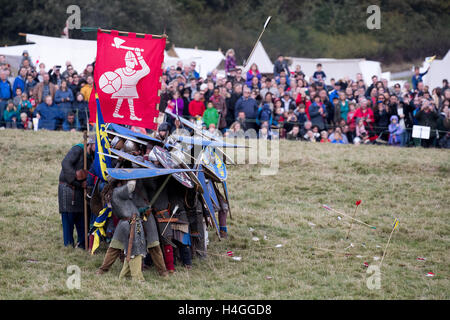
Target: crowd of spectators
287, 104
292, 105
58, 99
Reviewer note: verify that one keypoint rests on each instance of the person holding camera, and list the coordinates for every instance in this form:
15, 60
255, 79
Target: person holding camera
427, 116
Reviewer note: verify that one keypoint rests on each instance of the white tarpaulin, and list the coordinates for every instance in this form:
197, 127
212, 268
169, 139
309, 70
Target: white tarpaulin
56, 51
439, 70
206, 60
261, 59
339, 68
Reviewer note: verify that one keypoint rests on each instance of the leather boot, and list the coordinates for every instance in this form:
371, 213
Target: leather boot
158, 260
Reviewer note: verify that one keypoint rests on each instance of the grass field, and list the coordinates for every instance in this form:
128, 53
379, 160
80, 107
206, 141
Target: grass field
411, 184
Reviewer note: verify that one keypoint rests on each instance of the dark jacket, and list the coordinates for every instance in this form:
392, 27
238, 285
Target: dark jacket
280, 66
81, 111
316, 118
69, 188
249, 106
428, 119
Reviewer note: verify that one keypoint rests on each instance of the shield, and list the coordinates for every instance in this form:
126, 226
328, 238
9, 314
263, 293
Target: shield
214, 164
190, 173
225, 189
165, 158
207, 200
206, 143
134, 139
212, 193
141, 173
134, 159
126, 133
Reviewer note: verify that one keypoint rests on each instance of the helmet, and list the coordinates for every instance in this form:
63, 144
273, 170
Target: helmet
117, 143
130, 146
129, 56
152, 156
163, 127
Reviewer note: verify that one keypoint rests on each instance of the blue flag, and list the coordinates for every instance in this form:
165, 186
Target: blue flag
101, 162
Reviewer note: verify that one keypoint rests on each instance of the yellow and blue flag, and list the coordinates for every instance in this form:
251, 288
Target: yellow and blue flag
99, 226
101, 162
395, 225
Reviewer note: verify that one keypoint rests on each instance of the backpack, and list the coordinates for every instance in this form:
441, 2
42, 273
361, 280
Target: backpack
265, 114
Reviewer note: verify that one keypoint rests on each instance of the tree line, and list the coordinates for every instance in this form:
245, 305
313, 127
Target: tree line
410, 29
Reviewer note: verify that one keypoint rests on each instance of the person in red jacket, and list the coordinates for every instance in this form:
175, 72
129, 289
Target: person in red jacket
196, 106
366, 114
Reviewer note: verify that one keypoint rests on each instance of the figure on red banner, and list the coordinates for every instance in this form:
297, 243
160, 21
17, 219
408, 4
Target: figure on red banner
128, 69
122, 82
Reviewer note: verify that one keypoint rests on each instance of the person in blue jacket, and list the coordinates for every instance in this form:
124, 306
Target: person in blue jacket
64, 98
71, 123
417, 77
20, 80
48, 114
249, 106
5, 94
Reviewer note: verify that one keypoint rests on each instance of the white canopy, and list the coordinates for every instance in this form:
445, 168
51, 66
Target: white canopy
261, 58
206, 60
339, 68
439, 70
56, 51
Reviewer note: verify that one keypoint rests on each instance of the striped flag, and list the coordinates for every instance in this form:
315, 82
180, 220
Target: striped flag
395, 225
430, 59
101, 162
99, 225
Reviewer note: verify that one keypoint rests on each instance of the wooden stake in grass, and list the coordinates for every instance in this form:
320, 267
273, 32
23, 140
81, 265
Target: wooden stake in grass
354, 215
394, 226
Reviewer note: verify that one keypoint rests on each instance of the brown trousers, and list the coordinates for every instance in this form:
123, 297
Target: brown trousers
110, 257
158, 260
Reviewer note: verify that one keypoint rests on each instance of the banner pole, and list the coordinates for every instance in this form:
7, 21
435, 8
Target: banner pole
85, 193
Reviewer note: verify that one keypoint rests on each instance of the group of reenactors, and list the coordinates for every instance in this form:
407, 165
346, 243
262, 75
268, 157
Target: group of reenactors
156, 221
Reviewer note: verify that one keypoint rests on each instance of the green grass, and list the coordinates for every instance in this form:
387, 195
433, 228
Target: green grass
411, 184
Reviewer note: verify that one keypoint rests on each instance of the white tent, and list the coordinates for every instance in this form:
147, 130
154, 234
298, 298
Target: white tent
56, 51
261, 58
339, 68
439, 70
206, 60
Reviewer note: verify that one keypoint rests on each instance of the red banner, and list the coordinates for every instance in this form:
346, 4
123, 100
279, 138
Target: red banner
128, 78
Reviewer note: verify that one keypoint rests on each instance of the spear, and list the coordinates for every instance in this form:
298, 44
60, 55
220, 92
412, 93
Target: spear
254, 47
346, 215
394, 226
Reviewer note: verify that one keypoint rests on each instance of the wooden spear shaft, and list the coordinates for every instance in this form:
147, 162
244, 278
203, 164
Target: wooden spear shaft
385, 249
346, 215
86, 245
351, 225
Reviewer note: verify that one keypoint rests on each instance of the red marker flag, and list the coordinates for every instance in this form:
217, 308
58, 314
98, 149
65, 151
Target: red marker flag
358, 202
127, 77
